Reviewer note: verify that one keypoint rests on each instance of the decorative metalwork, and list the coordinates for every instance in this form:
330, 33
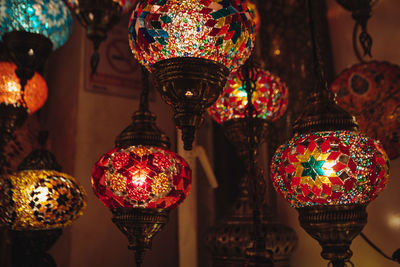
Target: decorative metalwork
190, 85
98, 17
140, 226
361, 12
230, 239
334, 227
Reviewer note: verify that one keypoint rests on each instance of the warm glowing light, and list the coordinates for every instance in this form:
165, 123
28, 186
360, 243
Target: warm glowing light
269, 99
139, 176
50, 18
40, 199
222, 31
330, 168
34, 96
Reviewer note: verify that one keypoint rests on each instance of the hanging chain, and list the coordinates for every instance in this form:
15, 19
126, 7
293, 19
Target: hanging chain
256, 183
144, 95
365, 40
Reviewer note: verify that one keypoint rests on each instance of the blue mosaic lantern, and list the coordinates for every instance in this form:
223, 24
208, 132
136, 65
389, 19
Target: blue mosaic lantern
50, 18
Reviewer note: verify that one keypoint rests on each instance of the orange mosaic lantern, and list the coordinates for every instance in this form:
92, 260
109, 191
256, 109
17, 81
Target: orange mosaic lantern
32, 98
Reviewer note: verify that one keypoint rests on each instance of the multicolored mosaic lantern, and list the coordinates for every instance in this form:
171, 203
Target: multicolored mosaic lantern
40, 200
222, 31
98, 17
330, 168
270, 97
141, 177
191, 46
50, 18
371, 92
32, 98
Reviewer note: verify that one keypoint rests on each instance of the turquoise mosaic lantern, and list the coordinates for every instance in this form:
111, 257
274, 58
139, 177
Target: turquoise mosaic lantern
50, 18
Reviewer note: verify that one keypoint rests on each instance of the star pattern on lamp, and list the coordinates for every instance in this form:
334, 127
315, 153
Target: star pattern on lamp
312, 168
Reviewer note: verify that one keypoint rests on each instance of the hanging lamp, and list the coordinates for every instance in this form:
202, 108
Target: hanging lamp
329, 171
36, 203
245, 237
31, 29
190, 47
370, 91
98, 17
140, 180
16, 104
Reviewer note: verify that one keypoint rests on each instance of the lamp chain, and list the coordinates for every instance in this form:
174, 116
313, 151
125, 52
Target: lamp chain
256, 183
144, 96
396, 254
365, 40
318, 70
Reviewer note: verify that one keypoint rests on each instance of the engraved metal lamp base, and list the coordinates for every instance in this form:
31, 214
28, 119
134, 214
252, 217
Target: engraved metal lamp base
334, 227
139, 226
189, 85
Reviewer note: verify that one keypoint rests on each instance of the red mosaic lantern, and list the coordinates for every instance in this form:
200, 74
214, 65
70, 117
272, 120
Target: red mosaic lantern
371, 92
141, 177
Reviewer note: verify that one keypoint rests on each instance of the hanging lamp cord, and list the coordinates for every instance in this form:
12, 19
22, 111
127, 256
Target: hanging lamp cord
144, 95
395, 257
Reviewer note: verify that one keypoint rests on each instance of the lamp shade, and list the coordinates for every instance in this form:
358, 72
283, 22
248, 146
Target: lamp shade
270, 97
330, 168
371, 92
221, 31
34, 95
141, 177
40, 200
50, 18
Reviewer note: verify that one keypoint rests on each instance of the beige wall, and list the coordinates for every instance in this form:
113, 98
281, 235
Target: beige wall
83, 126
383, 226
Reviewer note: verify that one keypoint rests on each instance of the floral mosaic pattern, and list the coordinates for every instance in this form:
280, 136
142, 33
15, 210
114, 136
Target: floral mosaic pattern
141, 177
219, 30
40, 199
270, 98
330, 168
50, 18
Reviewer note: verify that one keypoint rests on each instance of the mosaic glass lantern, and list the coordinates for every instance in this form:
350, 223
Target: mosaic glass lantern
371, 92
140, 180
330, 168
40, 199
190, 47
141, 177
98, 17
32, 98
269, 99
50, 18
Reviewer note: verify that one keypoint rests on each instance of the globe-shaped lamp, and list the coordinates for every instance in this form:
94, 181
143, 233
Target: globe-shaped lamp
330, 168
50, 18
330, 171
141, 177
370, 91
40, 200
270, 97
32, 98
190, 47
